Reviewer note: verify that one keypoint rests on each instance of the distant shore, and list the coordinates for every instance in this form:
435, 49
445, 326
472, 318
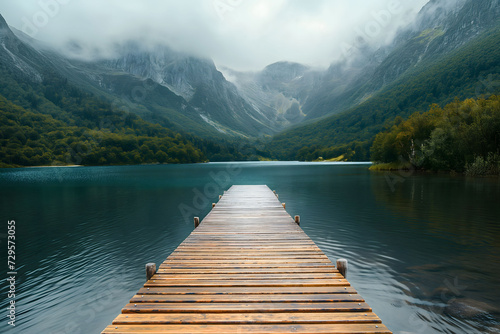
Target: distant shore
52, 166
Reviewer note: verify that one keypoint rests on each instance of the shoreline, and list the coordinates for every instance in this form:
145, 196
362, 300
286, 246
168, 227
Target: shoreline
324, 162
397, 167
70, 166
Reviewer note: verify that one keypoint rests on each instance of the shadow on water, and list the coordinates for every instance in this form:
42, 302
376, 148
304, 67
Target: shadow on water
425, 256
448, 233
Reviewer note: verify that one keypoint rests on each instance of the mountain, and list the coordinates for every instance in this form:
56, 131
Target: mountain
53, 112
440, 28
451, 51
295, 93
160, 85
16, 57
198, 82
279, 90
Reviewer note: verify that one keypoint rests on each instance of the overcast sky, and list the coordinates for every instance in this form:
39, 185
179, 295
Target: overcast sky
241, 34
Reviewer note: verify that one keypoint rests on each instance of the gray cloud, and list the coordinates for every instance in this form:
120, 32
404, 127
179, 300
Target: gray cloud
242, 34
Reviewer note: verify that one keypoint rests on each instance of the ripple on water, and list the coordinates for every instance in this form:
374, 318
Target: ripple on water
425, 255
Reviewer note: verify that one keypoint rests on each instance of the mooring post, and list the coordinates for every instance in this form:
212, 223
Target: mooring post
150, 270
196, 222
297, 220
342, 267
213, 205
220, 196
284, 205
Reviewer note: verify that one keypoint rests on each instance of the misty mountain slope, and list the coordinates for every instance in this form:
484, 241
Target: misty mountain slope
198, 81
48, 120
163, 86
27, 62
27, 75
295, 93
463, 73
440, 28
279, 90
19, 59
135, 83
341, 86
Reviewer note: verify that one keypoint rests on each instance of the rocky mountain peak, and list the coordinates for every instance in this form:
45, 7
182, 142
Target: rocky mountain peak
3, 23
177, 71
284, 71
4, 27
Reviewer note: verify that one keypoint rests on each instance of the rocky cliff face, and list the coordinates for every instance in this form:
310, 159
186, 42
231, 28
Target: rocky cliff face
198, 81
278, 91
441, 27
19, 59
466, 21
180, 73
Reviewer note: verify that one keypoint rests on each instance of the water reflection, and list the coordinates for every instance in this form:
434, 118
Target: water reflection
425, 256
454, 220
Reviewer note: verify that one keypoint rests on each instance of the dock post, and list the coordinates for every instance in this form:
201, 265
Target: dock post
213, 205
220, 196
342, 267
196, 222
297, 220
150, 270
284, 205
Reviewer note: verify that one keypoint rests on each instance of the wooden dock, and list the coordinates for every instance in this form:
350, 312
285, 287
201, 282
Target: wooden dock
247, 268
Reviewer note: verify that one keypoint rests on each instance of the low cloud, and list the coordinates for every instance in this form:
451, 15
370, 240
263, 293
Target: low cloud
241, 34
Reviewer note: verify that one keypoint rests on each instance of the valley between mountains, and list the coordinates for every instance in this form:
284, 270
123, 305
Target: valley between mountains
154, 104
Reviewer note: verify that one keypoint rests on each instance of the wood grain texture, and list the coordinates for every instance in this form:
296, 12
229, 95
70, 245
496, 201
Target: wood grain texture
247, 268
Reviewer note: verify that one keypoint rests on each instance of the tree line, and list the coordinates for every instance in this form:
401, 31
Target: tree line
34, 139
464, 137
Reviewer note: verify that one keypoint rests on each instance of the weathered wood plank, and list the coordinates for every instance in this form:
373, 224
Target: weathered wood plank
249, 265
245, 307
275, 298
246, 276
257, 270
248, 318
242, 282
254, 329
259, 290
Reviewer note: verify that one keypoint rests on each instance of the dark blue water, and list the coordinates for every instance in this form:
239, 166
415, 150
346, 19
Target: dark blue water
424, 251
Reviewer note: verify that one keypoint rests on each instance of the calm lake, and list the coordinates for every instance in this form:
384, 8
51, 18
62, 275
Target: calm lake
423, 250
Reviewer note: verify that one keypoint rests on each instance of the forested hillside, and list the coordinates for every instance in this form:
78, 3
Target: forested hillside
55, 123
462, 137
46, 119
96, 135
470, 71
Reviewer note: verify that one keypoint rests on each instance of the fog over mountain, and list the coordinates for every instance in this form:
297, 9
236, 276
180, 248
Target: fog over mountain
304, 79
240, 34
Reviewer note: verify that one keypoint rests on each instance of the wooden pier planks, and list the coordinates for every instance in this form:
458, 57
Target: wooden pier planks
247, 268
